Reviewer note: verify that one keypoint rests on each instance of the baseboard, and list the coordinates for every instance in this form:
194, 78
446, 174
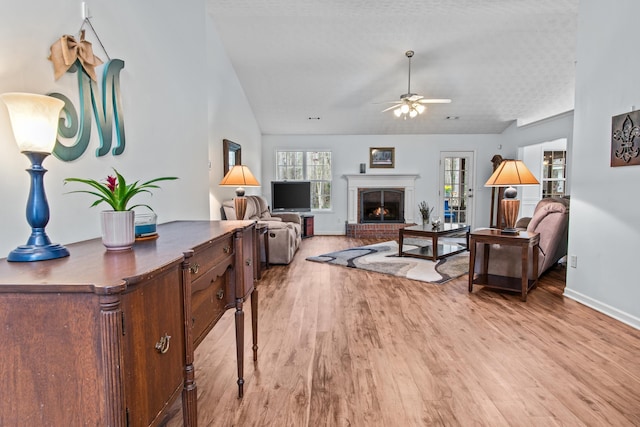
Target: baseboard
329, 233
623, 317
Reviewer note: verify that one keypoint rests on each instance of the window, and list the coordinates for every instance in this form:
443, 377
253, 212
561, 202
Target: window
554, 171
313, 166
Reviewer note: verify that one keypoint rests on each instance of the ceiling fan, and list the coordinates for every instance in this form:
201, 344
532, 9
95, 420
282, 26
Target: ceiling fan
411, 104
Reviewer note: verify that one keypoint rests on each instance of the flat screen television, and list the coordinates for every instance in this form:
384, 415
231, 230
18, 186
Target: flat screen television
292, 196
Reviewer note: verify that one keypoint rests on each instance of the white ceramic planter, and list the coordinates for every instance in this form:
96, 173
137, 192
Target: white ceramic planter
117, 229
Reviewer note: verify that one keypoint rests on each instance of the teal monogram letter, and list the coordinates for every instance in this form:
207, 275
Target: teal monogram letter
107, 112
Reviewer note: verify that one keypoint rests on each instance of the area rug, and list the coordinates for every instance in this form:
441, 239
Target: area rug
383, 258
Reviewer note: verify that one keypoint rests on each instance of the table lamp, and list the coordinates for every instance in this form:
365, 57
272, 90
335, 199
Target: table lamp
34, 119
509, 173
240, 176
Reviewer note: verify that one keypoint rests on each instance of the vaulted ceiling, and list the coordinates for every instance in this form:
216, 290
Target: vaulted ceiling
329, 66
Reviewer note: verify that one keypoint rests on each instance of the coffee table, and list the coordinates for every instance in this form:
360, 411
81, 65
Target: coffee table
436, 250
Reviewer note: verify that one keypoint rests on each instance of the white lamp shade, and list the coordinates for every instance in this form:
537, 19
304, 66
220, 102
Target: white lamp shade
34, 119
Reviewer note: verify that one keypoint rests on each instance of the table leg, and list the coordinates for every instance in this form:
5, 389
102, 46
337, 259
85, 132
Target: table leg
240, 345
536, 250
472, 261
434, 242
525, 272
400, 242
254, 321
266, 249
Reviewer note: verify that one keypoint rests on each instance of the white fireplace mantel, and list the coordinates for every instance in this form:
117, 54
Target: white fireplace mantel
357, 181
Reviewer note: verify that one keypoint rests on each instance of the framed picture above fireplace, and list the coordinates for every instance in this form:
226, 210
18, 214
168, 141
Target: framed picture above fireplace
382, 157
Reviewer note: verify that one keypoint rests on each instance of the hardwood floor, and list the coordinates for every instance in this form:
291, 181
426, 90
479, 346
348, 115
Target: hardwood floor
345, 347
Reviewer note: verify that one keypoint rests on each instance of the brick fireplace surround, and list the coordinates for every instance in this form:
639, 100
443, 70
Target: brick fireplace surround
362, 181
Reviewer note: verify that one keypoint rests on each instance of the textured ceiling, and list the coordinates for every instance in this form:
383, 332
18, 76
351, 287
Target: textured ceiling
340, 60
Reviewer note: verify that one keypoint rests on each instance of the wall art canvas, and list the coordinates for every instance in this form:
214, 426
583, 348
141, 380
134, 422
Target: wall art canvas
625, 139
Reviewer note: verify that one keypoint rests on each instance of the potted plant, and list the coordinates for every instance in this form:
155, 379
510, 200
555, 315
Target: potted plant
118, 223
425, 211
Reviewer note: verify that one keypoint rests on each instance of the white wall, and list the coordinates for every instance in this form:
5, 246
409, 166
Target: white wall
170, 80
230, 117
417, 154
604, 228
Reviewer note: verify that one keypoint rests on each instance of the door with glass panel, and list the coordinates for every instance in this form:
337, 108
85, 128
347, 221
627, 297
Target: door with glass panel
456, 187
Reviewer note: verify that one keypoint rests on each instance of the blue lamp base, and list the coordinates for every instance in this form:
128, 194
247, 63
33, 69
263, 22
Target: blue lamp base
38, 247
27, 253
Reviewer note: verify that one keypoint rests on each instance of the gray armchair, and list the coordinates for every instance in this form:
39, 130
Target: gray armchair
284, 229
551, 220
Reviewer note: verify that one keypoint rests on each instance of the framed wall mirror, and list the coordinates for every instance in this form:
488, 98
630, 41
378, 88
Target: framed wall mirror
231, 155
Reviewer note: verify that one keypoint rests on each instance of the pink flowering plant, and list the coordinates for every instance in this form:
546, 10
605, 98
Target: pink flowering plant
115, 191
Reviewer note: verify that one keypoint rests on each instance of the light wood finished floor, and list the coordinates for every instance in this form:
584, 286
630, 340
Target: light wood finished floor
343, 347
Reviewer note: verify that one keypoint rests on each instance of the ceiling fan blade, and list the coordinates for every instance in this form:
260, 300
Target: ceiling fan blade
435, 101
391, 108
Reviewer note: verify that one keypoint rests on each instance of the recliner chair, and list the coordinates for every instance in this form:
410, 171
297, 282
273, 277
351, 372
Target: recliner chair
284, 229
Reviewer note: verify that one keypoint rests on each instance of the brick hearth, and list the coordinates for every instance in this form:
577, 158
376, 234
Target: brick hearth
368, 231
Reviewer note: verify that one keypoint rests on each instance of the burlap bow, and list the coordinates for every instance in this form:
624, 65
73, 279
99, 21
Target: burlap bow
66, 50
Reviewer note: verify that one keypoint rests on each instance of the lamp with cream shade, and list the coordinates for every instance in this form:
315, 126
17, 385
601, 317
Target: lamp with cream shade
508, 174
240, 176
34, 119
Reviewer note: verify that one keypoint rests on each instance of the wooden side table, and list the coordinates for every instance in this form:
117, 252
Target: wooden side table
307, 226
488, 236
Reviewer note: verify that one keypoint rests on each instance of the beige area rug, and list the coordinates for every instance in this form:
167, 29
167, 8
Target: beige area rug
383, 258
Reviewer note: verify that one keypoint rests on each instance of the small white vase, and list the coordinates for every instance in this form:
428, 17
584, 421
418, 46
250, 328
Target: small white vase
117, 229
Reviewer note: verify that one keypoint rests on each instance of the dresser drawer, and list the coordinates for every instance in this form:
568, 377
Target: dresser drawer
153, 338
211, 295
207, 257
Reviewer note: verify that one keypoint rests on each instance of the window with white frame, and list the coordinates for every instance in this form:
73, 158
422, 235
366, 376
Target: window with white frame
312, 166
554, 173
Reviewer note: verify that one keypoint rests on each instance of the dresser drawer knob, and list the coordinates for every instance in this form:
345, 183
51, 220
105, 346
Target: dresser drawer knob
227, 249
162, 346
248, 261
194, 268
220, 293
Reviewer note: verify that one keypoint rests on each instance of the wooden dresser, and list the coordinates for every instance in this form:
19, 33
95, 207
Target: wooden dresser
107, 338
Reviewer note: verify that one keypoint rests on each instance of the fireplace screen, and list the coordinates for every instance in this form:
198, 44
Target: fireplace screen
381, 205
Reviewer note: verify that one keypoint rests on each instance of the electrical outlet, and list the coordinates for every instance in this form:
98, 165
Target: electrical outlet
573, 261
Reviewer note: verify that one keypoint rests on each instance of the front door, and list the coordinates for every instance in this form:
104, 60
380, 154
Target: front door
456, 187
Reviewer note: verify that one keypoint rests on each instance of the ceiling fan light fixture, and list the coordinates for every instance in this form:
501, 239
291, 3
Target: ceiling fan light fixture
411, 104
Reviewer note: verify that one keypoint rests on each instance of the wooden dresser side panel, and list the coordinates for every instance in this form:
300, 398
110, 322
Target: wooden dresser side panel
51, 360
248, 254
153, 379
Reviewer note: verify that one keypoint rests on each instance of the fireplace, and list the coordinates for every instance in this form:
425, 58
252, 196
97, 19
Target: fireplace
381, 205
395, 213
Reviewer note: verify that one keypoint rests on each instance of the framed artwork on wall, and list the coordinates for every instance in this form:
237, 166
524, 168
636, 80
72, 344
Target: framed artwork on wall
625, 139
382, 157
231, 155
